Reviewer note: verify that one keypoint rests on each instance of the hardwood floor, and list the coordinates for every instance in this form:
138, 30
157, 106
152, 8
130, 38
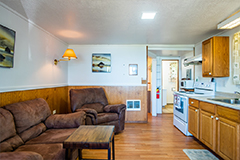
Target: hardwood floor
168, 108
158, 139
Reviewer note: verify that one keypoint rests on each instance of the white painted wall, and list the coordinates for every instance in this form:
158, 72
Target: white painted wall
80, 71
222, 84
35, 50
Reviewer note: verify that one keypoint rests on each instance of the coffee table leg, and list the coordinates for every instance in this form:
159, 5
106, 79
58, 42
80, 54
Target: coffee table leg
109, 153
113, 150
79, 154
66, 154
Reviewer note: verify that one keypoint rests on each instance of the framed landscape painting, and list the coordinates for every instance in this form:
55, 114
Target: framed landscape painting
7, 43
101, 62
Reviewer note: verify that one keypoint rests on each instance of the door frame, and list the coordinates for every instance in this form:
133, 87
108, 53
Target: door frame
159, 111
177, 73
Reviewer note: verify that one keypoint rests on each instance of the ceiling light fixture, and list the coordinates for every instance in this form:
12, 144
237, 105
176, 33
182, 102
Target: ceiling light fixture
68, 54
148, 15
231, 22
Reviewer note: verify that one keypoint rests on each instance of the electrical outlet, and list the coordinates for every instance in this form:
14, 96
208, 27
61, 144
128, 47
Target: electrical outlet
54, 111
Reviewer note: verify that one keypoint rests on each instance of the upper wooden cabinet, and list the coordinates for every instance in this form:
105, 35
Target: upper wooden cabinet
215, 57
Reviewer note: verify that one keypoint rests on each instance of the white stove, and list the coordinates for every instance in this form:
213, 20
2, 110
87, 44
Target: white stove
201, 89
180, 110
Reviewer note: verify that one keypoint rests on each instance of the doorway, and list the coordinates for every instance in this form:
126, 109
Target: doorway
170, 76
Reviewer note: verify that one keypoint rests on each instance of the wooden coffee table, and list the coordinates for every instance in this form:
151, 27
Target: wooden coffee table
91, 137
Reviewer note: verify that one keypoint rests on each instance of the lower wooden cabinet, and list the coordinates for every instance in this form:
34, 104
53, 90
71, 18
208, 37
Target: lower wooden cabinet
207, 129
217, 127
193, 119
228, 138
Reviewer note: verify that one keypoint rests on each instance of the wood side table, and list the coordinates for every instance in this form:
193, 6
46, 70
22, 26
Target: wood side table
91, 137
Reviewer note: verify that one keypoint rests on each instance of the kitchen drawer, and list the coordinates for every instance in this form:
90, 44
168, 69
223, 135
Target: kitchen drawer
193, 103
207, 107
228, 113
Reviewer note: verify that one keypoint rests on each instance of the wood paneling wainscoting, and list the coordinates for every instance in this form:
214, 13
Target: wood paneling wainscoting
119, 94
58, 98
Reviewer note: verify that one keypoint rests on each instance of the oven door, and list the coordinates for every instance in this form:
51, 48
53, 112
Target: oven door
181, 110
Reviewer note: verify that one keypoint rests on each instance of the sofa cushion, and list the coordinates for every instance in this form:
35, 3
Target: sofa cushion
79, 97
73, 120
52, 136
25, 155
9, 140
6, 120
11, 144
47, 151
96, 106
29, 113
106, 117
33, 132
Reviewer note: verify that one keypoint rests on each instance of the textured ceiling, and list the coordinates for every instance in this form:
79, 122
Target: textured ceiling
119, 21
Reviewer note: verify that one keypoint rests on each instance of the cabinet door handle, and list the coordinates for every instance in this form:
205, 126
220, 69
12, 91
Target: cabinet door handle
196, 110
192, 102
217, 118
212, 117
210, 73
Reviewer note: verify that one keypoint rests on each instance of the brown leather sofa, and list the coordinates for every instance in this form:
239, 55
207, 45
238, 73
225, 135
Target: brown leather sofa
94, 102
29, 131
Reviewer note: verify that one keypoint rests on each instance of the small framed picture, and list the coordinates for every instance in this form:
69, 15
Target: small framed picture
133, 69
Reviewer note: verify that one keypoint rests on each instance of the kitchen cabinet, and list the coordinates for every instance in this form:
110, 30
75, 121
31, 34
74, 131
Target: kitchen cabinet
228, 133
215, 57
193, 117
219, 127
207, 125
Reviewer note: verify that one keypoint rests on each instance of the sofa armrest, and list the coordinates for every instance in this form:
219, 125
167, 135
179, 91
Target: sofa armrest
88, 111
116, 108
22, 155
70, 120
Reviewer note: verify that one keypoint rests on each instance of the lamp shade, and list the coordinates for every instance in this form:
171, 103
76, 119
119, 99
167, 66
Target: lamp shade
69, 54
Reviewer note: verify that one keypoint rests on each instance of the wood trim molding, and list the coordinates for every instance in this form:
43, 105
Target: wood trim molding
55, 97
58, 98
119, 95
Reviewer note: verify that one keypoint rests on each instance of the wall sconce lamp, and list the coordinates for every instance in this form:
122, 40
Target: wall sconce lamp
68, 54
231, 22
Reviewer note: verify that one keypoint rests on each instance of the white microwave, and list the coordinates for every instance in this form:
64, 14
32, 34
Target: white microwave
187, 84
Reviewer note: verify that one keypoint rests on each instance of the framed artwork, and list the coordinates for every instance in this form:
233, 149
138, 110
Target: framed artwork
133, 69
236, 58
7, 43
101, 62
173, 72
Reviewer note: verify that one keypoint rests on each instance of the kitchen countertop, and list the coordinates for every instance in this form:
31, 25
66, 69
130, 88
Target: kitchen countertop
218, 95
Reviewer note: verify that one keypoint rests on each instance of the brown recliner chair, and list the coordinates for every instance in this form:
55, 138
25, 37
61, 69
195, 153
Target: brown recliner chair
94, 102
